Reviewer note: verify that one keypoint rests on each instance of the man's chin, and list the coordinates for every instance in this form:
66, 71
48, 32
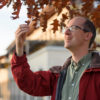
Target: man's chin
66, 46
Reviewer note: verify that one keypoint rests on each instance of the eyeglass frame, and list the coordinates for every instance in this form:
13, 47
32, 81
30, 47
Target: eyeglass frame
77, 27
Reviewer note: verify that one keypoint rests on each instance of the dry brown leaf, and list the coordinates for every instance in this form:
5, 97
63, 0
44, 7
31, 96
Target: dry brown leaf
55, 25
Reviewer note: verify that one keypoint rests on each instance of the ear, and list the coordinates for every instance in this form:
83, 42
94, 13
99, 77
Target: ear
88, 36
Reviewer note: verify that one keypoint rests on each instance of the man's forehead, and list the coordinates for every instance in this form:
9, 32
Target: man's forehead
77, 21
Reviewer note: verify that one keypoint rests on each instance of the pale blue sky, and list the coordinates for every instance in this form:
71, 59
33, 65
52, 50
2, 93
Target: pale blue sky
9, 26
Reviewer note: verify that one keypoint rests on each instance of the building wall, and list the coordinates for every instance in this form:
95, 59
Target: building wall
48, 57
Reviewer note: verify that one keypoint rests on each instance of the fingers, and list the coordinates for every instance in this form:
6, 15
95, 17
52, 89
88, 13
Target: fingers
20, 35
22, 29
23, 26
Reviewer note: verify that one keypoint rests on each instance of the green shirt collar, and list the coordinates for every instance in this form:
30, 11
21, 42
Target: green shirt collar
83, 61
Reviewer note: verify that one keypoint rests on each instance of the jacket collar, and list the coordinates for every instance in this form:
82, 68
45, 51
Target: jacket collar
95, 63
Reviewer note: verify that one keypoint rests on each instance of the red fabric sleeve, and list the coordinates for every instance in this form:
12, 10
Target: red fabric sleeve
39, 83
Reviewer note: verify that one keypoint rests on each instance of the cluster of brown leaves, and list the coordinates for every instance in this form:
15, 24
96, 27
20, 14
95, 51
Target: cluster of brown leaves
35, 7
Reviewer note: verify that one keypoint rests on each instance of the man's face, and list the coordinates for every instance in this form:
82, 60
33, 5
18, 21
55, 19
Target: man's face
74, 35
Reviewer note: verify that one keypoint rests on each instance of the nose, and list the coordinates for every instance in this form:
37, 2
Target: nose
67, 32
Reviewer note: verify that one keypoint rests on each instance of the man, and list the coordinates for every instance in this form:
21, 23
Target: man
77, 79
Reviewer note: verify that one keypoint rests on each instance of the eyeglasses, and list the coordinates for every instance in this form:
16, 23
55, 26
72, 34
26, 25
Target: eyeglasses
75, 27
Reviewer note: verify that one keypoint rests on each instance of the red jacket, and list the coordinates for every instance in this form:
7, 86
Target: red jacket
50, 83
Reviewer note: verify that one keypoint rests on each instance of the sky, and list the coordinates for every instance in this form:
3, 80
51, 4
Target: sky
8, 26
